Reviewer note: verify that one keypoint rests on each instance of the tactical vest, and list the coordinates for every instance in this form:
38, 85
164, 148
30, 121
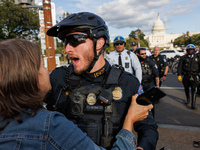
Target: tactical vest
190, 65
160, 64
147, 74
91, 107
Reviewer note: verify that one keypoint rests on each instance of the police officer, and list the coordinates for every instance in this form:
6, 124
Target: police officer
161, 63
90, 92
125, 58
133, 47
149, 70
188, 67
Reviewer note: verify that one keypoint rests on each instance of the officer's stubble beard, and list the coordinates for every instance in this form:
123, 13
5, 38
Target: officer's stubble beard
86, 65
141, 59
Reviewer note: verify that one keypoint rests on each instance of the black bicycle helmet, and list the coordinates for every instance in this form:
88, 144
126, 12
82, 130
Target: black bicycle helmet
83, 21
87, 22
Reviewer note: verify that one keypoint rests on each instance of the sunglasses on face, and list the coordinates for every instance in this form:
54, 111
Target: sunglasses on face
143, 54
75, 39
119, 44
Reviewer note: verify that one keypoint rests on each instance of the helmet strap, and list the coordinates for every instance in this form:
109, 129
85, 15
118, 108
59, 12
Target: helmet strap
96, 57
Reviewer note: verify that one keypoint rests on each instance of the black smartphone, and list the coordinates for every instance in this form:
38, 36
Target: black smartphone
150, 96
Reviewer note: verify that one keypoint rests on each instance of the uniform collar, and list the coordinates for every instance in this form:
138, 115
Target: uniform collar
124, 51
97, 74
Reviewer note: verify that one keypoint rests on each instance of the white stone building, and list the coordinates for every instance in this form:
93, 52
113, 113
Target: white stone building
160, 38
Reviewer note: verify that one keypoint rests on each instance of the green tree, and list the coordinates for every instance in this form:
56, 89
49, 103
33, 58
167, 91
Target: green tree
195, 39
133, 37
110, 48
17, 22
134, 34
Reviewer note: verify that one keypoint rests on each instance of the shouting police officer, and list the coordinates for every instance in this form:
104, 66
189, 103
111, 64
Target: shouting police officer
188, 67
125, 58
90, 92
161, 63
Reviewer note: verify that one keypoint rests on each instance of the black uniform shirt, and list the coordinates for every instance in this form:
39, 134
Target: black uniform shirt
161, 63
188, 64
149, 64
122, 94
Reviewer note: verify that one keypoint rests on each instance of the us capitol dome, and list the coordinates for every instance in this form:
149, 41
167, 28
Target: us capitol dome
159, 38
158, 26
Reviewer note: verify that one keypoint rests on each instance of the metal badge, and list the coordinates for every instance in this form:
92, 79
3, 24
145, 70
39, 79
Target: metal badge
91, 99
117, 93
126, 58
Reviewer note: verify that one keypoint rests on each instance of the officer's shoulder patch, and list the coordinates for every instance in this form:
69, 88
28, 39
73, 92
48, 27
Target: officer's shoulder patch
140, 90
117, 93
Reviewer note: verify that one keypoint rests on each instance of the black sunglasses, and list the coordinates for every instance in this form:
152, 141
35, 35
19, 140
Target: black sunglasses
119, 43
75, 39
143, 54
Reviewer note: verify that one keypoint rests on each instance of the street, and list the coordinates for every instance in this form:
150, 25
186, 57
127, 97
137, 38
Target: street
179, 125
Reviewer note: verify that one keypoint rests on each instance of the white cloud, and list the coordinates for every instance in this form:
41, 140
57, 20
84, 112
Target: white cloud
181, 9
60, 11
130, 13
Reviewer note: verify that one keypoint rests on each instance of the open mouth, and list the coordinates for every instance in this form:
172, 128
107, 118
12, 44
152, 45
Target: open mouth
74, 60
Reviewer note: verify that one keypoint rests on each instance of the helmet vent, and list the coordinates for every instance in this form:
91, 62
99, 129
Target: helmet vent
92, 17
98, 22
71, 16
78, 17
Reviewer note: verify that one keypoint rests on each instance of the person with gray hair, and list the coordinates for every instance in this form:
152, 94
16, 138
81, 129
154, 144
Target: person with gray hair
161, 63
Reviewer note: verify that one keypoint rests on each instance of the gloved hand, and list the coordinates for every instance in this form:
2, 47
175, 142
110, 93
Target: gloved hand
180, 79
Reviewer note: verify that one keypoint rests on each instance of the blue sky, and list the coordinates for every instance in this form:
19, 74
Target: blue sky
124, 16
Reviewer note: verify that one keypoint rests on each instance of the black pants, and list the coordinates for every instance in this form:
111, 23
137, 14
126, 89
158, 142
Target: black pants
187, 83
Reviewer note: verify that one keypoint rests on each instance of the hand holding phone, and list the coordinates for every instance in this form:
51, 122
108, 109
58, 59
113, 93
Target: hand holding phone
150, 96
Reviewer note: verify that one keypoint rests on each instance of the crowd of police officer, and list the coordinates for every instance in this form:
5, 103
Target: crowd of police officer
154, 68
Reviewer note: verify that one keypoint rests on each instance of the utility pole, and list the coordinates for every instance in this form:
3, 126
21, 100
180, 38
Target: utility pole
50, 49
138, 38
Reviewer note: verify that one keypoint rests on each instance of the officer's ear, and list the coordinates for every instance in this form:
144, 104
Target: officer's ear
100, 44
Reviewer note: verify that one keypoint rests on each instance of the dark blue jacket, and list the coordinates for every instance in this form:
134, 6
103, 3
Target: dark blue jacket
122, 94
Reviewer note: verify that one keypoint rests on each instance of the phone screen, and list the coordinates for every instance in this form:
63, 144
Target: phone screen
150, 96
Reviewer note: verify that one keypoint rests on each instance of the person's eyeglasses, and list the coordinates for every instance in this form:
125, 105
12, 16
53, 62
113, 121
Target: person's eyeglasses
75, 39
119, 44
143, 54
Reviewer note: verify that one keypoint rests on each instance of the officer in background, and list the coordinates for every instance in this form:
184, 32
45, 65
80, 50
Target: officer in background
161, 63
149, 70
91, 92
188, 68
133, 47
125, 58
